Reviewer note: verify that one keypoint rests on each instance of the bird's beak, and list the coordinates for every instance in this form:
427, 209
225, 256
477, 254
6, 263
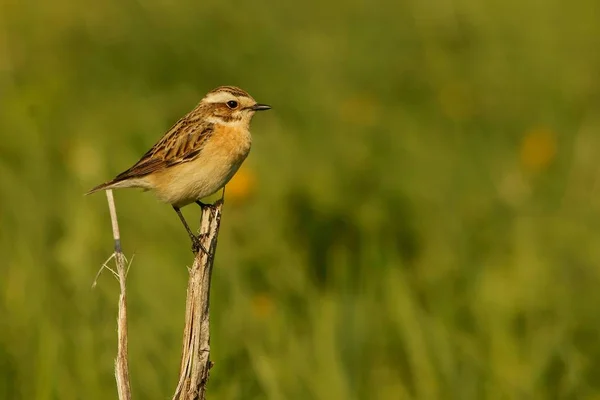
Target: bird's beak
260, 107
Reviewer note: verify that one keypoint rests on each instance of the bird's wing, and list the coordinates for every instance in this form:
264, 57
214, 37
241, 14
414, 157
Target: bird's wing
182, 143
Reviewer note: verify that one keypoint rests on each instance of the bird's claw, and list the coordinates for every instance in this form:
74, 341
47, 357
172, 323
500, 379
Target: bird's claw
205, 205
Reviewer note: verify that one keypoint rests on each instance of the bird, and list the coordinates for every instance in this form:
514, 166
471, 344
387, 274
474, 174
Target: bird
198, 155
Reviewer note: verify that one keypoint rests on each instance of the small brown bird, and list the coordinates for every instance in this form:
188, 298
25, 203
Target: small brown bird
198, 155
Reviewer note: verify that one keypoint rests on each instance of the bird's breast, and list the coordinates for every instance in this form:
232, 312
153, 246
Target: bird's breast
230, 142
221, 156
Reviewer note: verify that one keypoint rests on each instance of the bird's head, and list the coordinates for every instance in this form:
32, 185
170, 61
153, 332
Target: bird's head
230, 105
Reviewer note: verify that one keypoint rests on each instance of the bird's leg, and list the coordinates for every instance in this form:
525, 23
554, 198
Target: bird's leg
202, 206
196, 245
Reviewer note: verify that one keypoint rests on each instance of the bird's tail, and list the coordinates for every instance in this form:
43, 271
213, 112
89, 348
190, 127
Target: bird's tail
120, 182
104, 186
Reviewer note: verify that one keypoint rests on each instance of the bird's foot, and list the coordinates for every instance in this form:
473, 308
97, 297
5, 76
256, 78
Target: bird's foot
205, 205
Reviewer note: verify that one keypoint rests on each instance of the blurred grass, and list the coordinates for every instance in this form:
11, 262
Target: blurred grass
419, 217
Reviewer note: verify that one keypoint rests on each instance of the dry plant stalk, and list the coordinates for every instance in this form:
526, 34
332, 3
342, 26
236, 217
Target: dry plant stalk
121, 362
195, 358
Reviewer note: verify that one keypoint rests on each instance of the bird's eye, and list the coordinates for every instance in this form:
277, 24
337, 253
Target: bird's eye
232, 104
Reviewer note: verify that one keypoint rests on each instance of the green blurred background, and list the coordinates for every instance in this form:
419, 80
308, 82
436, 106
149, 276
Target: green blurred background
419, 217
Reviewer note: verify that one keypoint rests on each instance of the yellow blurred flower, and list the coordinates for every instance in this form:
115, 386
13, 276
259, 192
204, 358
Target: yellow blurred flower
262, 305
538, 149
241, 186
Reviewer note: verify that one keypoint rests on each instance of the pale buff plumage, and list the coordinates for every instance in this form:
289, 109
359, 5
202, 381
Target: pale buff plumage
199, 154
191, 181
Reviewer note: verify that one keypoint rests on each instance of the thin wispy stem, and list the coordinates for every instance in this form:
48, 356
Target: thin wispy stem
121, 362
